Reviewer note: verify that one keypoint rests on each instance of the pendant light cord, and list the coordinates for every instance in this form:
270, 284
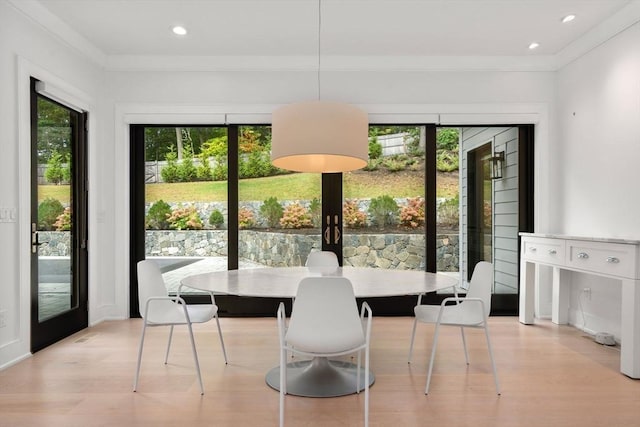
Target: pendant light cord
319, 42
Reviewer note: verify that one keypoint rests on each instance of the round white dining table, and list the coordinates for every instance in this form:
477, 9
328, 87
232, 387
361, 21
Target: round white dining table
318, 377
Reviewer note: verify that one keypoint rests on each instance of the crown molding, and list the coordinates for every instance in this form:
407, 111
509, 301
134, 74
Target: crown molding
41, 16
626, 17
62, 32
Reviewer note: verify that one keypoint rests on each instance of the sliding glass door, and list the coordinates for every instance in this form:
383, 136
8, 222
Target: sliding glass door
208, 198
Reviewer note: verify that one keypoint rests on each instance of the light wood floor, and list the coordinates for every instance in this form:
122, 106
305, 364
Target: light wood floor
550, 375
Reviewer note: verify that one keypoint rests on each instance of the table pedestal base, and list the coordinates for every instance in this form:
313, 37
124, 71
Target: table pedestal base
320, 377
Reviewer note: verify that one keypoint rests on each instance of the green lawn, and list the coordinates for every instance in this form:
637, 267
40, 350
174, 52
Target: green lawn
59, 192
298, 186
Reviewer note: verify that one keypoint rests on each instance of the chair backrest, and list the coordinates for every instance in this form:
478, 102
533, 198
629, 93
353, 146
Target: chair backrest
150, 283
322, 259
481, 283
325, 316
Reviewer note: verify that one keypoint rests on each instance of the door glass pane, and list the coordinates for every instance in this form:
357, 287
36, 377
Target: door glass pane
490, 206
279, 211
486, 211
56, 293
505, 214
448, 201
383, 209
186, 200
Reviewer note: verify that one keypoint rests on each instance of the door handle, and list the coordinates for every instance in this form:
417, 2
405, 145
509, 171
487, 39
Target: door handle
34, 238
327, 231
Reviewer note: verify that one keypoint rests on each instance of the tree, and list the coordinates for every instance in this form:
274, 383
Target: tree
55, 173
54, 130
158, 141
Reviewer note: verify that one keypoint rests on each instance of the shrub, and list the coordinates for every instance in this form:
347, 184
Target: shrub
256, 165
220, 170
215, 147
449, 213
372, 165
66, 174
187, 172
272, 211
48, 212
170, 173
394, 164
185, 218
352, 216
54, 173
412, 215
447, 139
157, 217
375, 148
412, 143
216, 219
315, 209
383, 211
203, 170
446, 161
295, 216
63, 222
245, 218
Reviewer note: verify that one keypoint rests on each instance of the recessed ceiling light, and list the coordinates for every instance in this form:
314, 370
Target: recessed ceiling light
568, 18
533, 45
181, 31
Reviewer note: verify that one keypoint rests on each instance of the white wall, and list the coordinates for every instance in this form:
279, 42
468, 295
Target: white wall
27, 50
599, 140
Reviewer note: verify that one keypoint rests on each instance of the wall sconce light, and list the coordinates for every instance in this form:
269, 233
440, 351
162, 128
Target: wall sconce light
497, 165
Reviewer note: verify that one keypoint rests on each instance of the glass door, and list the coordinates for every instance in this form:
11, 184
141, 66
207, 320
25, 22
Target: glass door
480, 207
58, 221
278, 211
181, 199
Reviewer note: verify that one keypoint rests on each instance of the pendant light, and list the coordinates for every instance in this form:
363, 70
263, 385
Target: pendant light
320, 136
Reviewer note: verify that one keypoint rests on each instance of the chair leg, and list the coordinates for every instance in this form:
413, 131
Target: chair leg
464, 344
166, 355
358, 373
433, 356
283, 382
195, 357
366, 387
413, 336
493, 363
135, 380
224, 351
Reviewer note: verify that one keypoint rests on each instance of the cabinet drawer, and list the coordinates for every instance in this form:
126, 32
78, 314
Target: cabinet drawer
548, 251
613, 259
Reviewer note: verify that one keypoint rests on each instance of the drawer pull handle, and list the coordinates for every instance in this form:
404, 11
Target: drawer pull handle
583, 255
532, 249
552, 252
613, 260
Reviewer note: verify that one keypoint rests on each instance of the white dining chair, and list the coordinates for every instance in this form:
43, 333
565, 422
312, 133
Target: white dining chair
471, 311
325, 323
322, 259
159, 309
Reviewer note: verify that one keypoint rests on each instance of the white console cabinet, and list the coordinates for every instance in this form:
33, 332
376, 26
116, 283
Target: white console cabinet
615, 258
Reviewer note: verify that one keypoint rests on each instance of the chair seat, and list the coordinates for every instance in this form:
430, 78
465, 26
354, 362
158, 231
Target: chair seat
324, 324
451, 315
324, 339
170, 313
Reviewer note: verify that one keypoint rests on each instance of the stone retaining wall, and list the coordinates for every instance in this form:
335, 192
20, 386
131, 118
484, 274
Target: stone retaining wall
391, 251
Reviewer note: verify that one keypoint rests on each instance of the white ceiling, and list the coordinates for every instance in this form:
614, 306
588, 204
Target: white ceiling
114, 29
